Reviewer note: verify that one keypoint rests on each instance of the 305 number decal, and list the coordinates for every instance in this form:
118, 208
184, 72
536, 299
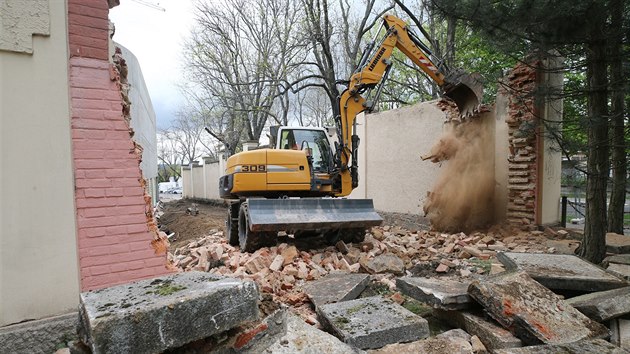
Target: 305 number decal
253, 168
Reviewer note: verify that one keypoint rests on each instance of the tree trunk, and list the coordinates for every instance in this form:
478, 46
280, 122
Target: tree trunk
451, 26
618, 158
593, 247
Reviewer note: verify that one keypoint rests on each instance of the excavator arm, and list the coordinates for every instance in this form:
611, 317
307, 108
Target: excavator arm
372, 72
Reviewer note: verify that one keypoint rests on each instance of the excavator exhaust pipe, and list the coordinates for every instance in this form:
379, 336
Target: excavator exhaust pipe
311, 214
465, 90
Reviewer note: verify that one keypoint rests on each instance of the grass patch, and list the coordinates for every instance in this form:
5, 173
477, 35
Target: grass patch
167, 288
417, 307
484, 265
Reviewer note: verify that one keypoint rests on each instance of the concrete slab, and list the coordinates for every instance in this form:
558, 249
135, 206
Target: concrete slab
304, 339
491, 334
616, 243
449, 342
593, 346
372, 322
604, 305
561, 271
532, 312
617, 258
336, 287
620, 332
39, 336
153, 315
440, 293
619, 270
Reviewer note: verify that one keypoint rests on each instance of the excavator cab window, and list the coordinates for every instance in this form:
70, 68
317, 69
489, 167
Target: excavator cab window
313, 142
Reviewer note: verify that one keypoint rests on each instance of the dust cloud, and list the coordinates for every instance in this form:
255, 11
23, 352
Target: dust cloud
462, 199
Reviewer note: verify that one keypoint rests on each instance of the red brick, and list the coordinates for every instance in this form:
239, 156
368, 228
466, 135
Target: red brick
92, 182
115, 192
98, 270
82, 9
134, 191
90, 22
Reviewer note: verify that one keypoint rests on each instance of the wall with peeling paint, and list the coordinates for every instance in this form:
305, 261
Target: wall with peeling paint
38, 247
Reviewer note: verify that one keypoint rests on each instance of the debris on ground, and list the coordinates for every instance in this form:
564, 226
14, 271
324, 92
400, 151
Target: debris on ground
407, 266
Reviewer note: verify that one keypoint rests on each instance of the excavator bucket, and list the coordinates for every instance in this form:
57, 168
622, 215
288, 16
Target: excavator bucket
311, 214
465, 90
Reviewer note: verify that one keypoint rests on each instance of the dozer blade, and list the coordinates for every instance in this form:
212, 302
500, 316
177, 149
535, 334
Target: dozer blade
465, 90
311, 214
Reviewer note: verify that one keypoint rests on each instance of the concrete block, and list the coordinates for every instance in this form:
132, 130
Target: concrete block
491, 334
561, 271
619, 270
439, 293
39, 336
592, 346
336, 287
618, 259
620, 332
449, 342
616, 243
604, 305
372, 322
153, 315
302, 338
532, 312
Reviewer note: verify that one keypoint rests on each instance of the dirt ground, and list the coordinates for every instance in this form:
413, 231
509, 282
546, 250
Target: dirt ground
212, 216
190, 227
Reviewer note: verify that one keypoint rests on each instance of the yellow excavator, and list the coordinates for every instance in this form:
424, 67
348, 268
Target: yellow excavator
298, 185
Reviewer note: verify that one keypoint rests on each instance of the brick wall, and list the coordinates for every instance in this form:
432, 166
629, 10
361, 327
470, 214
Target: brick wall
523, 142
118, 240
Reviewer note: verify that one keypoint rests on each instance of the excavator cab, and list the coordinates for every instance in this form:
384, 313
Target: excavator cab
313, 141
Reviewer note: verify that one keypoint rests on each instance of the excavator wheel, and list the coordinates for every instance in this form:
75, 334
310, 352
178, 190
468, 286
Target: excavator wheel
249, 240
354, 235
231, 223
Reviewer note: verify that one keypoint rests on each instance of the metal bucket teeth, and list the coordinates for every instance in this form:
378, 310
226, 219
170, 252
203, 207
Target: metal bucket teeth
311, 214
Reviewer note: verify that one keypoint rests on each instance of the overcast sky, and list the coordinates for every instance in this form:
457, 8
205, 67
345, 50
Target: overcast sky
156, 38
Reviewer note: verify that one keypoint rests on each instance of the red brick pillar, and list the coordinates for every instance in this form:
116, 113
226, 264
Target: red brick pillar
523, 145
118, 240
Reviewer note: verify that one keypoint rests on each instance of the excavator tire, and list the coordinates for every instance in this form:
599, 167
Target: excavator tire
249, 240
354, 235
231, 224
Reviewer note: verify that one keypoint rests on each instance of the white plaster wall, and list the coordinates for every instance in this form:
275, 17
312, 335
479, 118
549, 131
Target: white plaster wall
38, 249
391, 170
552, 157
142, 115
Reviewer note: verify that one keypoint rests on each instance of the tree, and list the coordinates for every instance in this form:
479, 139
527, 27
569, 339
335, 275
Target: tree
580, 30
237, 56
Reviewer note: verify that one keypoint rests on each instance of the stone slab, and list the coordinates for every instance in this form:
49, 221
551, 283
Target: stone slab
532, 312
372, 322
491, 334
616, 243
150, 316
449, 342
336, 287
593, 346
440, 293
561, 271
618, 259
620, 332
39, 336
302, 338
604, 305
619, 270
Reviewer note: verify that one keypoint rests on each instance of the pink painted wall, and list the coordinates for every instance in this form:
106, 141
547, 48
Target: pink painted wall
118, 241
